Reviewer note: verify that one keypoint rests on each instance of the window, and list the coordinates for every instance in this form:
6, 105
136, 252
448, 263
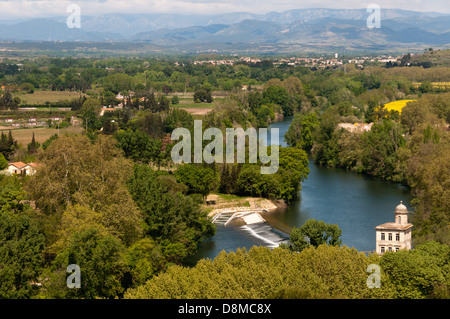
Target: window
397, 237
382, 237
390, 248
390, 236
396, 249
382, 249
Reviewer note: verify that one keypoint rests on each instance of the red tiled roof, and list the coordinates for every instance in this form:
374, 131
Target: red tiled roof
18, 164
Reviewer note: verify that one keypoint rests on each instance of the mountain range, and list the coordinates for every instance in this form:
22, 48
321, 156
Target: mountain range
302, 27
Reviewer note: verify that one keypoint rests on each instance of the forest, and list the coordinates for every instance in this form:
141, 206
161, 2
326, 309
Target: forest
110, 198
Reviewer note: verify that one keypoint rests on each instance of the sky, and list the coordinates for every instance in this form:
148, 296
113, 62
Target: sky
17, 9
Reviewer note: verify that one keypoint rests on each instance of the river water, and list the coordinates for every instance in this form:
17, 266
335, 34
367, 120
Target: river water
355, 202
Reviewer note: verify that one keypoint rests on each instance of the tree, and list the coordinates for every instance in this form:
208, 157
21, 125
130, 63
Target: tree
8, 102
175, 100
262, 273
20, 253
422, 272
254, 100
33, 146
163, 104
426, 172
3, 162
175, 221
48, 141
301, 132
380, 146
117, 82
90, 111
7, 145
138, 146
198, 179
102, 263
278, 95
314, 233
76, 171
293, 170
201, 96
426, 87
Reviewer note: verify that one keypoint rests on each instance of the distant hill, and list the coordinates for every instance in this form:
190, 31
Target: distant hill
305, 27
434, 57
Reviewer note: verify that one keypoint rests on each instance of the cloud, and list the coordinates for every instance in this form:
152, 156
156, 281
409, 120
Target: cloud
47, 8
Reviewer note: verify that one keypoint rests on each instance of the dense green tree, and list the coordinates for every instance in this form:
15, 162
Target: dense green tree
178, 118
322, 272
314, 233
118, 82
199, 179
89, 112
174, 220
423, 272
280, 96
201, 96
3, 162
301, 132
8, 145
22, 243
380, 146
74, 171
33, 146
101, 259
138, 146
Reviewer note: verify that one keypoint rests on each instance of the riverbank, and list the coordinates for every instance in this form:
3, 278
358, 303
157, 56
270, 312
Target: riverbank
246, 211
220, 202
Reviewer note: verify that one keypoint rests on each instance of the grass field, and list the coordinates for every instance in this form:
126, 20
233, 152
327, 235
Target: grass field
24, 136
40, 97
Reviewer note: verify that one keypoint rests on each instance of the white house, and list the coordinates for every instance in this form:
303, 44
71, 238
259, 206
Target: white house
22, 168
394, 236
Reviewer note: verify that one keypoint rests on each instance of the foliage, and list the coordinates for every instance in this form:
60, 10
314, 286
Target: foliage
102, 264
76, 171
198, 179
7, 145
423, 272
174, 220
3, 162
201, 96
322, 272
314, 233
22, 243
302, 130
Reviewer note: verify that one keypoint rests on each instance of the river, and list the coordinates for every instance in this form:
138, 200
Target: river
355, 202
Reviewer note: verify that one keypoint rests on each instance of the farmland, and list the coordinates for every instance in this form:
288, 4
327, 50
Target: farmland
43, 97
397, 105
24, 136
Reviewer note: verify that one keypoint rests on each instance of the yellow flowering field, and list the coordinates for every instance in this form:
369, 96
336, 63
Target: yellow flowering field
397, 105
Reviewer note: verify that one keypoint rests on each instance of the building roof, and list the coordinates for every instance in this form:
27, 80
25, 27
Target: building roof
401, 208
393, 226
18, 164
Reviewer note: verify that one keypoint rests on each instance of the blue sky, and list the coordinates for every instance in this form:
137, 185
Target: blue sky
13, 9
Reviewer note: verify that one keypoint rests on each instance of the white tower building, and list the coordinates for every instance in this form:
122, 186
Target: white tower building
394, 236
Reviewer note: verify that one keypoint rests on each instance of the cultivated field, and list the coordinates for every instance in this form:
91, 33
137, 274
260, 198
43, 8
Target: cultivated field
24, 136
40, 97
397, 105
